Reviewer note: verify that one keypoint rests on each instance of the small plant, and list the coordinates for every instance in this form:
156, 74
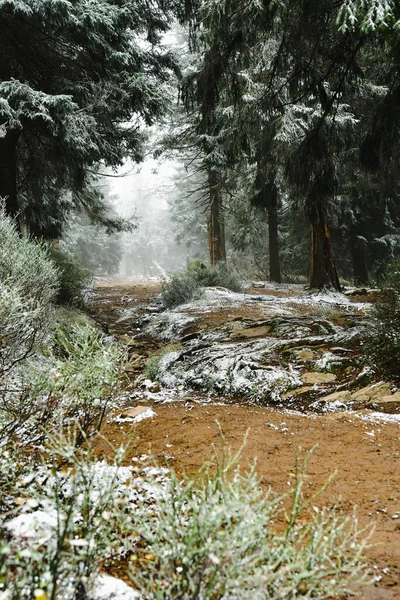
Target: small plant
74, 383
73, 278
152, 367
189, 285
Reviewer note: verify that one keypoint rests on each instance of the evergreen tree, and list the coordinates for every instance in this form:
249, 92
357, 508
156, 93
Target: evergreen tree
77, 80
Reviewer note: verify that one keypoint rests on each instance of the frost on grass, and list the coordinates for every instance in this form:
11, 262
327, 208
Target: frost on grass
217, 539
181, 536
69, 522
228, 369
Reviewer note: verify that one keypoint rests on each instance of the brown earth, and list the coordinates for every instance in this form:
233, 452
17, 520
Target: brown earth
365, 456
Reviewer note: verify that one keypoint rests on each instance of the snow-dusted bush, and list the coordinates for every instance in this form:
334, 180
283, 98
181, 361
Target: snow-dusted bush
72, 519
185, 286
71, 384
217, 537
73, 278
28, 286
50, 376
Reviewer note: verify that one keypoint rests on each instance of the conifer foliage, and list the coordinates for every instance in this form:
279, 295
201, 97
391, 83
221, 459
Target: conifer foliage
77, 79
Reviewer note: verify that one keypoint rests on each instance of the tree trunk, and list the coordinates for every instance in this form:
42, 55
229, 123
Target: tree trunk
8, 173
273, 240
215, 222
323, 270
360, 270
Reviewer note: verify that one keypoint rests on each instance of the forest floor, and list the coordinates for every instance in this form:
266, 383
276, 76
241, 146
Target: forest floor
303, 352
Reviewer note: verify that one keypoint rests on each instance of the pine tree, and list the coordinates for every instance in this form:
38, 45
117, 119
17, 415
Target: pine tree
77, 80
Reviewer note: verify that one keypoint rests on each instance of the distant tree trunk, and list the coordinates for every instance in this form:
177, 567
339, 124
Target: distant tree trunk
273, 239
8, 173
266, 198
323, 269
215, 221
359, 259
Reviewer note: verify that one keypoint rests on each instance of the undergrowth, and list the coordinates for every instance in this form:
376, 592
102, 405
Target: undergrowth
72, 276
189, 285
215, 536
382, 345
209, 536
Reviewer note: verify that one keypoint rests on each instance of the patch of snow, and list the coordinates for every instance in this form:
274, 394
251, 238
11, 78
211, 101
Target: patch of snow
335, 406
221, 298
169, 325
230, 369
327, 361
333, 298
38, 524
111, 588
147, 414
378, 417
126, 314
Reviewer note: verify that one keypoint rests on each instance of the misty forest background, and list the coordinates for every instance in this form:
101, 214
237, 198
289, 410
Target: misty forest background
268, 120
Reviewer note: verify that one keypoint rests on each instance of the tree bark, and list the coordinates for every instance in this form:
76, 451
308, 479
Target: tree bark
360, 270
323, 269
215, 221
273, 240
8, 173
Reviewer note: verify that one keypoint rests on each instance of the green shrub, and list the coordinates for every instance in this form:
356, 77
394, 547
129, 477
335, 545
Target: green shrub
382, 344
216, 537
73, 278
151, 371
28, 287
81, 514
72, 384
189, 285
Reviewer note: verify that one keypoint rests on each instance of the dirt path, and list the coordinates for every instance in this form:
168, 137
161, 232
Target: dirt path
364, 454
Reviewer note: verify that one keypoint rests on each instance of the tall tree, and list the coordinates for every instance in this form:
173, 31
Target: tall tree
77, 79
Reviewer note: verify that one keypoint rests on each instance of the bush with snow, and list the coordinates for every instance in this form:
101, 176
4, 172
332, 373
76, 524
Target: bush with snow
216, 537
51, 374
28, 287
189, 285
71, 519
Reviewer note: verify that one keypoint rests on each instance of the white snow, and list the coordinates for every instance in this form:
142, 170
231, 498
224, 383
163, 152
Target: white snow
221, 297
379, 417
39, 524
147, 414
111, 588
231, 369
169, 325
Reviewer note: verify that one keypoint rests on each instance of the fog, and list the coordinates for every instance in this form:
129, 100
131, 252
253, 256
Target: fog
140, 194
